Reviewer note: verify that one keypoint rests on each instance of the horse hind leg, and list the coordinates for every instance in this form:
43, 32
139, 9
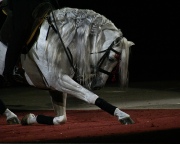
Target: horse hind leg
58, 100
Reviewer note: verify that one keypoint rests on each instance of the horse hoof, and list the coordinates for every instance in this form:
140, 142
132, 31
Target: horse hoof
13, 120
126, 121
26, 118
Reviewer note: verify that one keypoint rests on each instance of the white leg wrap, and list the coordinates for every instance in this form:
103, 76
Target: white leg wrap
120, 114
59, 120
31, 119
9, 114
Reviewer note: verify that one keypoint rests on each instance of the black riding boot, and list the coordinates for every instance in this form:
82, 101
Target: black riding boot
11, 77
8, 81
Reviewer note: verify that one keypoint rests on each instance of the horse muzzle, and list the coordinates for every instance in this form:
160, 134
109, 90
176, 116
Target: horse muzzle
97, 83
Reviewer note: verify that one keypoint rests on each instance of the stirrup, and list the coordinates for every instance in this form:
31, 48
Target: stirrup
13, 120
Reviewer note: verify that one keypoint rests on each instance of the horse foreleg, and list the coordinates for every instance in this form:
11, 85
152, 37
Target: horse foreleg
42, 119
123, 117
68, 85
58, 100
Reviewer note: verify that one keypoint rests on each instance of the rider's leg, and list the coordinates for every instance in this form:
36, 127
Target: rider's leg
6, 29
18, 32
21, 25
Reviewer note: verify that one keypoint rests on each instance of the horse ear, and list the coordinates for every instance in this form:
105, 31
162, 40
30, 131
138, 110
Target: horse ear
130, 43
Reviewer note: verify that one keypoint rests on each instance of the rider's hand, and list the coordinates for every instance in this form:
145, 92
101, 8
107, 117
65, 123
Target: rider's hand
1, 2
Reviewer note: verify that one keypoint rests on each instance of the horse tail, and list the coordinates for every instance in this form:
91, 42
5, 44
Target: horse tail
124, 62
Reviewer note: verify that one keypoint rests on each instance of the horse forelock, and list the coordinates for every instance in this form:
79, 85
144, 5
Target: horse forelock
124, 62
83, 30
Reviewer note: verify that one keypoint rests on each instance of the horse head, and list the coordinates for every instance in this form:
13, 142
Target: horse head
117, 52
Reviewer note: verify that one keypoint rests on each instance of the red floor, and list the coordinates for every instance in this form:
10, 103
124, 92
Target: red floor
98, 126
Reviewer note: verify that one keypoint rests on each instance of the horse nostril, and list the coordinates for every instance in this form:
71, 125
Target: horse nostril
96, 88
96, 83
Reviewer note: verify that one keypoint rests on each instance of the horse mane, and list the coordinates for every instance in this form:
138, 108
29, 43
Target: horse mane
84, 30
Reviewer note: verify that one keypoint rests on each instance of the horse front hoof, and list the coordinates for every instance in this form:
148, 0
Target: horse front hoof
126, 121
13, 120
26, 119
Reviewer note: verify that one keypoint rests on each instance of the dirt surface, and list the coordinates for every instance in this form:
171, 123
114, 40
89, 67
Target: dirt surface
96, 126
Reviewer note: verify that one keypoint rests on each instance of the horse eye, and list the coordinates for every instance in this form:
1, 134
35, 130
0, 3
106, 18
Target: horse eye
117, 42
111, 59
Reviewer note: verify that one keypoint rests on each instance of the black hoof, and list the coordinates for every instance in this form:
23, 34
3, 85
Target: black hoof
126, 121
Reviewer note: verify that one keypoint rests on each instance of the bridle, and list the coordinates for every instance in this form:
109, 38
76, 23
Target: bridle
69, 55
106, 55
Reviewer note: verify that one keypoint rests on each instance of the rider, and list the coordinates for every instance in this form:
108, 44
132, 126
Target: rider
20, 22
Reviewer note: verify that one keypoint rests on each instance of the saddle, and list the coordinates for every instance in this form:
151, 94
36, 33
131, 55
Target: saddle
39, 14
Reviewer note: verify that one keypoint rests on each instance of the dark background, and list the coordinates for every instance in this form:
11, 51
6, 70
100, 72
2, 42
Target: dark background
153, 27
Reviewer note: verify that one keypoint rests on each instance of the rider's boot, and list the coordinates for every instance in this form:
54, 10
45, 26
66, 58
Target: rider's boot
12, 80
8, 81
16, 79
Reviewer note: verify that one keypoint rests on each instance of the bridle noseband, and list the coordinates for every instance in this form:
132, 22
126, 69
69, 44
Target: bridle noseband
106, 54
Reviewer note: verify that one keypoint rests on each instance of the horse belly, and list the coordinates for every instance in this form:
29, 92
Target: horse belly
32, 73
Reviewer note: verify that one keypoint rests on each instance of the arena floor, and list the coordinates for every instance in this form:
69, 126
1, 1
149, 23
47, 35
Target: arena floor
154, 106
139, 95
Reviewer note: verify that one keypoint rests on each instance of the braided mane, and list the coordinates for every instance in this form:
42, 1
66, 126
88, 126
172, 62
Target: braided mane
82, 30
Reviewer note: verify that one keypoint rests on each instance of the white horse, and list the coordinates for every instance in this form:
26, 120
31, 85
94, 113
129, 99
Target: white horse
74, 54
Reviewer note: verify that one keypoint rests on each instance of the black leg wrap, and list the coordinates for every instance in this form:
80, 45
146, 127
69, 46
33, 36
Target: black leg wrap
2, 107
105, 106
41, 119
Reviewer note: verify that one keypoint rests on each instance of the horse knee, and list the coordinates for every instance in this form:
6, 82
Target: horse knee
91, 98
60, 120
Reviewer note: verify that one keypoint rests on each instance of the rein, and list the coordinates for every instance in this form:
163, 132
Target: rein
55, 28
